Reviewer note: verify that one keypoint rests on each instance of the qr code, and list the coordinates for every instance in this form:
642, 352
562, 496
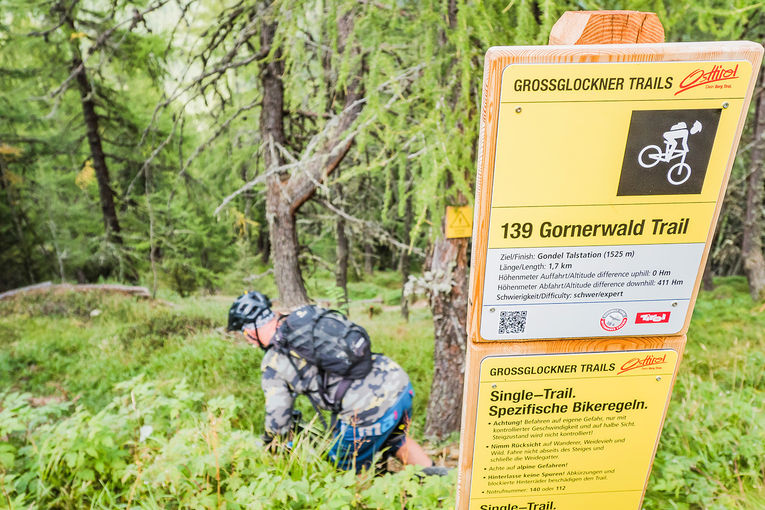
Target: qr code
512, 322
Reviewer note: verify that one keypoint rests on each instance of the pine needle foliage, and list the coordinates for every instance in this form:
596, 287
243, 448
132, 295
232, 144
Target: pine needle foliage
178, 93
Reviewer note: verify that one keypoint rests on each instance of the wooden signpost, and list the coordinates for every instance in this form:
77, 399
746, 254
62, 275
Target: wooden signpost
602, 165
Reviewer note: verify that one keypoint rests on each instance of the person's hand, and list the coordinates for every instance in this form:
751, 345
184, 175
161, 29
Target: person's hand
275, 444
297, 421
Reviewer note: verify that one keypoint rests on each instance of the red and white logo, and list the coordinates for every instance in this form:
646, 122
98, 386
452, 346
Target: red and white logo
700, 77
649, 362
613, 320
652, 317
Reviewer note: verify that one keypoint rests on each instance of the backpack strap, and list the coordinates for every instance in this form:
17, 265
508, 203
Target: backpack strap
342, 388
337, 404
277, 338
310, 398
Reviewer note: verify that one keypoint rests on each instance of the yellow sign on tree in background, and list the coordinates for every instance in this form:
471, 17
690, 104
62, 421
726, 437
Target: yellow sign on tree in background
459, 222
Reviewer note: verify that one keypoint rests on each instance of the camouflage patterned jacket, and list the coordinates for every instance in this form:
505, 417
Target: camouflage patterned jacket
364, 403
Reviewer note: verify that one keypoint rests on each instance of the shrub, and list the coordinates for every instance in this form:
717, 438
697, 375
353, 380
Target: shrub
165, 446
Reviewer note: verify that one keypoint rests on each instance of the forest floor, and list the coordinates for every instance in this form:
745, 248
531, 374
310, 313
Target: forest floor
82, 374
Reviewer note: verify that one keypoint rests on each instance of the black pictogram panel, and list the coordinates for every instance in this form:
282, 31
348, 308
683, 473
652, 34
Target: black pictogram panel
667, 152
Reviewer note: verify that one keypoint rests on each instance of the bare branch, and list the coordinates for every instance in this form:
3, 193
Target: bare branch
308, 158
153, 155
202, 81
99, 42
216, 134
372, 228
251, 184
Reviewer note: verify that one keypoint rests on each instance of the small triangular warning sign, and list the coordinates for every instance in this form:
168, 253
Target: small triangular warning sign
459, 222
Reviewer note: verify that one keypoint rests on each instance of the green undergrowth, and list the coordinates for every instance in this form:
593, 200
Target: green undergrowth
82, 373
109, 401
164, 445
77, 346
712, 449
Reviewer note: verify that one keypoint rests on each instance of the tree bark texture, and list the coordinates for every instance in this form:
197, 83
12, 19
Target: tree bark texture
341, 251
264, 245
279, 214
707, 279
448, 262
105, 192
247, 198
369, 266
404, 262
285, 193
448, 302
751, 244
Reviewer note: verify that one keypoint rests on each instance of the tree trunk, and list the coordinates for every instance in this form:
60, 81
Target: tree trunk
707, 279
341, 252
279, 213
248, 197
369, 266
407, 238
285, 194
264, 245
105, 192
751, 244
284, 253
448, 263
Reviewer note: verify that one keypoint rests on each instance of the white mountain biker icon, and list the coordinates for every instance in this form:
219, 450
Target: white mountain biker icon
675, 147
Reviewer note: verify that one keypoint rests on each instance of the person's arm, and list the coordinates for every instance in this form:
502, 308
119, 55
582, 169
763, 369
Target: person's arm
276, 379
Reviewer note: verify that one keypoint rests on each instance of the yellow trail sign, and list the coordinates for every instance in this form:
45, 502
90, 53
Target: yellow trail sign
605, 189
459, 222
557, 428
601, 173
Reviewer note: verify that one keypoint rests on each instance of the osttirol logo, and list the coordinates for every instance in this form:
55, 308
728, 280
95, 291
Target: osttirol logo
667, 152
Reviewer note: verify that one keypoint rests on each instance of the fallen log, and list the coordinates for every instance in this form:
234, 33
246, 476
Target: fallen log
142, 292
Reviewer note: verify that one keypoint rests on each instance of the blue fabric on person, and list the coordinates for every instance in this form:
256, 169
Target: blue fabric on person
355, 447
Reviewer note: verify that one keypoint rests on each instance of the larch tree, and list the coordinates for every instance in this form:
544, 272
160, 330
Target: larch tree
66, 13
738, 243
295, 161
464, 31
79, 117
288, 191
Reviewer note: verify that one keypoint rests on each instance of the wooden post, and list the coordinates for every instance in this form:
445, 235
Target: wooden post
509, 446
607, 27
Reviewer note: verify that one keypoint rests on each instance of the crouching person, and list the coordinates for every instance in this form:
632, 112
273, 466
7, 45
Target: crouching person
320, 354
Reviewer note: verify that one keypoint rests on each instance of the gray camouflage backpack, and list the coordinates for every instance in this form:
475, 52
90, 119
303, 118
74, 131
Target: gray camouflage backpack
329, 341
